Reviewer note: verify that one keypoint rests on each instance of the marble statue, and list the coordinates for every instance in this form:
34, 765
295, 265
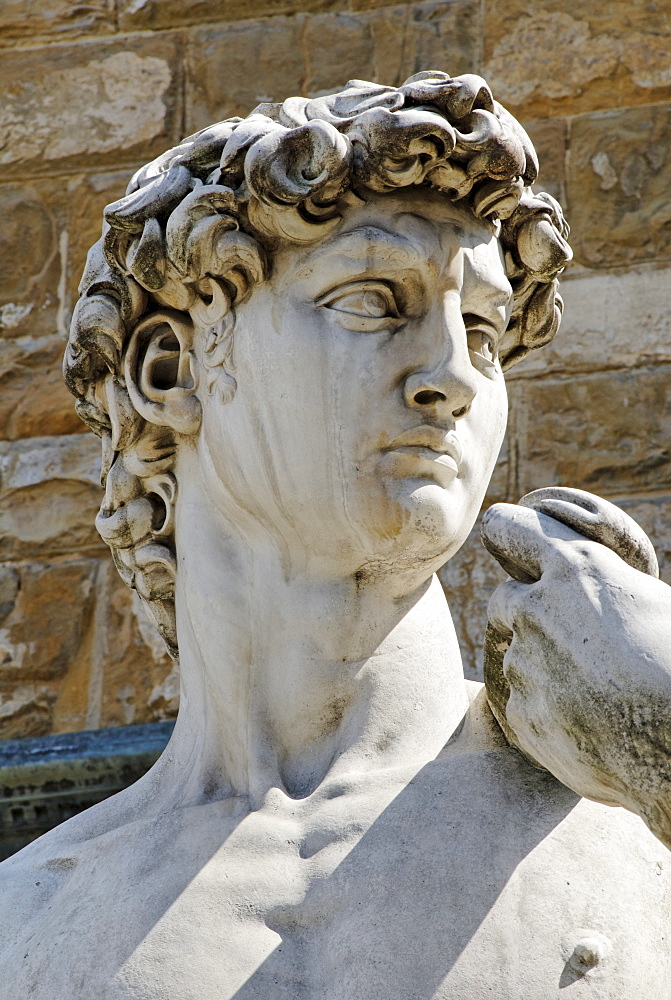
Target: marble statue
291, 340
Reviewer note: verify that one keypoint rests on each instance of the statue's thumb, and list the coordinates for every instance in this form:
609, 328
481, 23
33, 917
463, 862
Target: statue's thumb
599, 520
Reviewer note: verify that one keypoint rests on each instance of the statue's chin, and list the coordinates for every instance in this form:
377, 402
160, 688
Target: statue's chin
421, 526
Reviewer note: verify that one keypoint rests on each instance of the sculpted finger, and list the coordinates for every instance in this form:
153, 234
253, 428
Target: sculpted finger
504, 605
522, 539
599, 520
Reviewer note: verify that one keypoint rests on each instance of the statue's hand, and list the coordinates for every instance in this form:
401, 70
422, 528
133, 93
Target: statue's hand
584, 687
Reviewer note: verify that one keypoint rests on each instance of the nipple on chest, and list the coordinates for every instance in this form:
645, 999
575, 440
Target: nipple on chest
585, 950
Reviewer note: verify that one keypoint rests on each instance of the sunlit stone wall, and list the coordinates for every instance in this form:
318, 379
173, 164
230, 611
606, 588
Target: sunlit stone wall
92, 91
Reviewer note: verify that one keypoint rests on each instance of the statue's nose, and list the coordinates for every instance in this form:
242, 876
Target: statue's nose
449, 384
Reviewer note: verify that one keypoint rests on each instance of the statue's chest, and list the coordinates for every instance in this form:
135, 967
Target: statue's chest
493, 884
461, 890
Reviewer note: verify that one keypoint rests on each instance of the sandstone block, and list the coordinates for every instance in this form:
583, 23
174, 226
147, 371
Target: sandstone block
44, 627
363, 5
49, 496
27, 463
604, 432
112, 102
219, 84
386, 44
24, 19
502, 480
550, 139
30, 257
364, 46
77, 651
544, 58
9, 589
45, 631
619, 172
33, 399
138, 679
48, 225
654, 516
389, 44
26, 710
445, 35
610, 320
122, 674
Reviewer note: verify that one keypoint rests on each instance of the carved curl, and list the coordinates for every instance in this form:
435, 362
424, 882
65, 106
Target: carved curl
193, 236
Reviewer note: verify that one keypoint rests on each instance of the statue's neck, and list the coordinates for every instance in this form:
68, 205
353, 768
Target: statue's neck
288, 681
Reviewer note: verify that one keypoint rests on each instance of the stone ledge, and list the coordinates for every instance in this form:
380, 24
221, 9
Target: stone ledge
47, 779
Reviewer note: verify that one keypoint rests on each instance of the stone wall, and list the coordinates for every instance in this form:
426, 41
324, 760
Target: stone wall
92, 91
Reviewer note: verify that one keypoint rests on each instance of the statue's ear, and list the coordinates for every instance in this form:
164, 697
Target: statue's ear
159, 369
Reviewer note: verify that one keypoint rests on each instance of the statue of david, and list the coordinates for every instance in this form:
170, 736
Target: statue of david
291, 339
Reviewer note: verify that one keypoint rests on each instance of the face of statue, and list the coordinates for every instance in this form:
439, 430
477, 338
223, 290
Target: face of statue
370, 406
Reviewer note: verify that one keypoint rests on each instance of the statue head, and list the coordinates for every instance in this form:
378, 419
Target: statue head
312, 299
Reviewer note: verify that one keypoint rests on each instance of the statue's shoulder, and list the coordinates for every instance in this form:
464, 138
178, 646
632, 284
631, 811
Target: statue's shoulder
502, 783
29, 881
479, 732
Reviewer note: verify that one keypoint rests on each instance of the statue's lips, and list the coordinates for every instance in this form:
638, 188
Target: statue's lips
431, 445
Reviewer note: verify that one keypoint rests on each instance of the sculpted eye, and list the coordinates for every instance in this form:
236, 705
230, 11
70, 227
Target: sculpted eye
365, 306
482, 344
482, 340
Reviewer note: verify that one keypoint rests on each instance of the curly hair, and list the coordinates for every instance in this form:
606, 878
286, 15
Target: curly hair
196, 231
